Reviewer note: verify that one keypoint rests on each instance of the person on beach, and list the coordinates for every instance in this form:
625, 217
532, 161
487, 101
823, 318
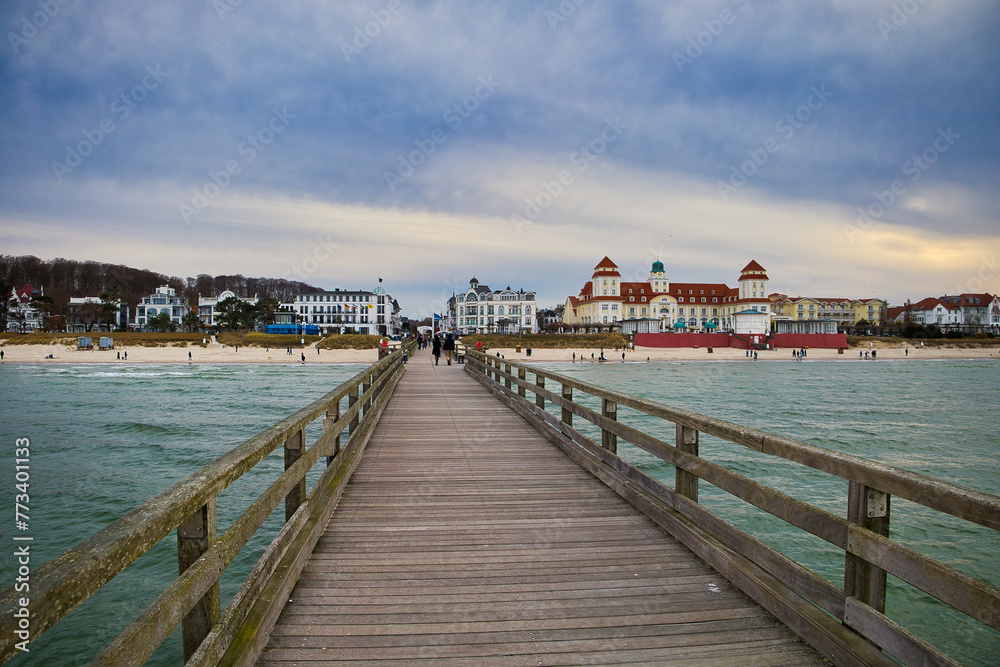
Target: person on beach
189, 356
303, 357
449, 347
436, 349
1, 355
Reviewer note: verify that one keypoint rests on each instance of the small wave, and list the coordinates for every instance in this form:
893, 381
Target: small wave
139, 427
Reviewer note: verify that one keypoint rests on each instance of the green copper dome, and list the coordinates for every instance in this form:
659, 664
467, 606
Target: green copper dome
657, 266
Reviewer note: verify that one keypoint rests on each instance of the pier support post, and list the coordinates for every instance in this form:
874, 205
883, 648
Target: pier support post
867, 508
539, 399
522, 376
686, 483
567, 414
507, 368
294, 447
194, 537
609, 441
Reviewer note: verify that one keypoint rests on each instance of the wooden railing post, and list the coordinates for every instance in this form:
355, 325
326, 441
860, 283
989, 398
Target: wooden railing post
507, 368
867, 508
294, 447
352, 398
194, 537
539, 399
686, 483
522, 376
609, 440
365, 386
332, 415
567, 414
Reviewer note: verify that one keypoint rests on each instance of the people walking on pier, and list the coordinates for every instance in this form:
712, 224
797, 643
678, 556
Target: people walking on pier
436, 349
449, 347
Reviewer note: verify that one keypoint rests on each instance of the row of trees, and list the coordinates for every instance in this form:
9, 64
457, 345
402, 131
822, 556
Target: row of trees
65, 278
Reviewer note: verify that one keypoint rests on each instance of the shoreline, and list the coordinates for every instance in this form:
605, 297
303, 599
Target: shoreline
215, 353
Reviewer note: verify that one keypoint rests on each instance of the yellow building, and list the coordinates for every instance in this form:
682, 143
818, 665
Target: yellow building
844, 312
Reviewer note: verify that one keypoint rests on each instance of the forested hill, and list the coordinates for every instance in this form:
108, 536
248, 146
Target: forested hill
63, 278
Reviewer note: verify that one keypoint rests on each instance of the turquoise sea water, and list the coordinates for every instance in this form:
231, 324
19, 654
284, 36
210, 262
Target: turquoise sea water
106, 438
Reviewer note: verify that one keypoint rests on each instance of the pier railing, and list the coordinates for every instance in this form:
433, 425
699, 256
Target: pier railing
847, 624
212, 636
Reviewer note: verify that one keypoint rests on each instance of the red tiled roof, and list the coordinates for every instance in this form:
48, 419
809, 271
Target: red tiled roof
930, 303
753, 266
606, 263
720, 289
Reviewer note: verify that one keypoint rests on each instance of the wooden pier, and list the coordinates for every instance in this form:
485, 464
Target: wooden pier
467, 538
480, 514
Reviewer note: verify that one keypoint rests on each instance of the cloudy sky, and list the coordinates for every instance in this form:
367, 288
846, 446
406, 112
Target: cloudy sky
849, 146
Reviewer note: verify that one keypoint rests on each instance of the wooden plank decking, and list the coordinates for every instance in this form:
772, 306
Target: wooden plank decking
466, 538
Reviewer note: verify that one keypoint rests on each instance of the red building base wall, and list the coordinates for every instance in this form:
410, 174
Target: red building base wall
809, 340
741, 341
687, 340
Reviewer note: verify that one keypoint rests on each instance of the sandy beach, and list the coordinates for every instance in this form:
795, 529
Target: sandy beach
216, 353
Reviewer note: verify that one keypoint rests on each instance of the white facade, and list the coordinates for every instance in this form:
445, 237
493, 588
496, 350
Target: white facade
164, 300
208, 311
367, 312
22, 316
482, 310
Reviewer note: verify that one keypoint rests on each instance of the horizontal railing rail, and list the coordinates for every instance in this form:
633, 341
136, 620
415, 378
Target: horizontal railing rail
854, 628
211, 636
